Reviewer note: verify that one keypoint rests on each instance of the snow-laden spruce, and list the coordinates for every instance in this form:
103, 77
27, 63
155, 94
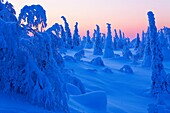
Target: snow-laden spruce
89, 43
83, 43
108, 49
147, 52
116, 38
127, 54
140, 49
7, 12
68, 33
137, 43
164, 45
158, 73
98, 44
76, 37
57, 42
63, 35
33, 17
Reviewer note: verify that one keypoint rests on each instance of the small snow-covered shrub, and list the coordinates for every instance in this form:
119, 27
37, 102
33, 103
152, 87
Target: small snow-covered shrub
107, 70
126, 69
69, 58
97, 61
79, 55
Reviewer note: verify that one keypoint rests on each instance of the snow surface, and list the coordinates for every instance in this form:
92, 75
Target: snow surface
115, 92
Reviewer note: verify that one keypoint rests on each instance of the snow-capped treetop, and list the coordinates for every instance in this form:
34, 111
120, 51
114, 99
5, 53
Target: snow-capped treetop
120, 34
10, 8
116, 36
7, 12
63, 36
55, 29
98, 28
76, 30
33, 17
76, 39
68, 33
151, 20
108, 49
88, 33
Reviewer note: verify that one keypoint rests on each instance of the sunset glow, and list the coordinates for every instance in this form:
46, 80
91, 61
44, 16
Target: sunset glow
128, 15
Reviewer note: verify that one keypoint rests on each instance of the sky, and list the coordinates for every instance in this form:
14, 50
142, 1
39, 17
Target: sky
128, 15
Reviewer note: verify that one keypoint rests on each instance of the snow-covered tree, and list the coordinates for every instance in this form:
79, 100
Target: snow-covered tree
94, 37
164, 45
108, 49
103, 40
33, 17
116, 38
57, 42
89, 43
7, 12
63, 35
76, 37
120, 40
127, 54
83, 42
167, 34
147, 51
68, 33
137, 43
98, 44
158, 73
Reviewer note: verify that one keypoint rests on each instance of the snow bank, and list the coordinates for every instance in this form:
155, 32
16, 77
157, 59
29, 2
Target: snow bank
72, 89
126, 69
93, 102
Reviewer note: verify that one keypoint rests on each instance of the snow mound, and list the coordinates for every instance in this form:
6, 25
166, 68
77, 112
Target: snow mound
126, 69
93, 102
68, 78
79, 55
72, 89
69, 58
107, 70
97, 61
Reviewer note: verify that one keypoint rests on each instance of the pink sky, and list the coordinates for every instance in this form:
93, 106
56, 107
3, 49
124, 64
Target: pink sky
128, 15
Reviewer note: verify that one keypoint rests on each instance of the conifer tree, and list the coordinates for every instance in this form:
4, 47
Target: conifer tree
98, 44
76, 37
108, 49
68, 33
158, 73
